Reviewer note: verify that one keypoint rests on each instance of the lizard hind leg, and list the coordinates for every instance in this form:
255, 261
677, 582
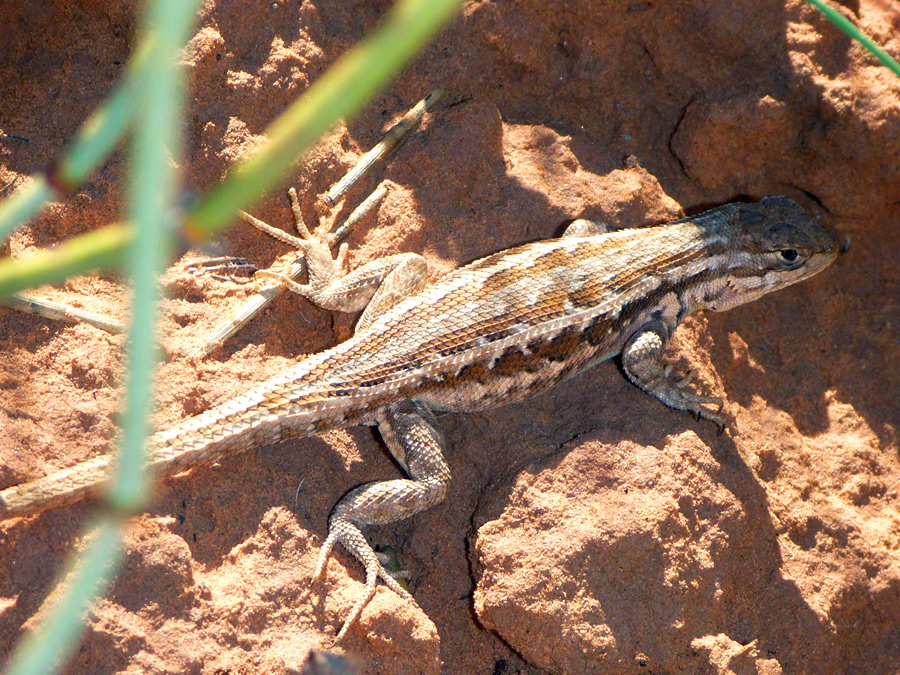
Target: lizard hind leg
411, 433
374, 287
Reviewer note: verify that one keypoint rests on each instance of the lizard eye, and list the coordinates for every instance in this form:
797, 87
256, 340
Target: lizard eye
788, 256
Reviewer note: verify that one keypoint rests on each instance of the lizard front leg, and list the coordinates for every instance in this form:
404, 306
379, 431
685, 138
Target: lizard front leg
642, 361
411, 434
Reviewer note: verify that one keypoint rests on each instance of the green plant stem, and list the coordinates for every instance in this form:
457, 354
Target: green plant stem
850, 29
152, 195
22, 204
43, 650
100, 248
156, 150
351, 82
105, 128
94, 141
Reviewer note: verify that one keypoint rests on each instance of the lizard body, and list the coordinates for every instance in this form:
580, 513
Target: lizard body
495, 331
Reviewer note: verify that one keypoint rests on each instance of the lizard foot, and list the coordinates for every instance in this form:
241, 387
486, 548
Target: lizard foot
641, 359
675, 393
349, 535
685, 399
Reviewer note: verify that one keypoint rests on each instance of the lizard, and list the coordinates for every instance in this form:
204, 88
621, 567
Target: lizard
492, 332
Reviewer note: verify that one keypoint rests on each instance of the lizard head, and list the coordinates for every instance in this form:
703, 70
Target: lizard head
771, 244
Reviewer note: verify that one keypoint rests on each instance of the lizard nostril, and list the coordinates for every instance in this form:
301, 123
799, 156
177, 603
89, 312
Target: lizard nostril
845, 246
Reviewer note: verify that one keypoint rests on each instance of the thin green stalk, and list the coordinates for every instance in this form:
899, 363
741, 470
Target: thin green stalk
850, 29
339, 93
100, 248
22, 204
351, 82
152, 196
153, 192
44, 650
94, 141
101, 132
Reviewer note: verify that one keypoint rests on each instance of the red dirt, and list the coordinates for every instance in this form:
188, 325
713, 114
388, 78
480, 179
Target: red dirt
589, 529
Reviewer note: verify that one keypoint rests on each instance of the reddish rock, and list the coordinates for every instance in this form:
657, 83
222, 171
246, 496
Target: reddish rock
589, 529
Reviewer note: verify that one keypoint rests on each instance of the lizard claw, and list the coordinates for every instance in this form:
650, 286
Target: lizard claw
676, 394
390, 561
643, 366
348, 534
697, 405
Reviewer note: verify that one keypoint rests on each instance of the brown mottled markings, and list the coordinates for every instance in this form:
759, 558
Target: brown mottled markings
501, 280
514, 361
560, 347
599, 332
477, 371
401, 347
631, 310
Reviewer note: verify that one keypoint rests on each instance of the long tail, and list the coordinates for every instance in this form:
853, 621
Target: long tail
81, 481
275, 410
